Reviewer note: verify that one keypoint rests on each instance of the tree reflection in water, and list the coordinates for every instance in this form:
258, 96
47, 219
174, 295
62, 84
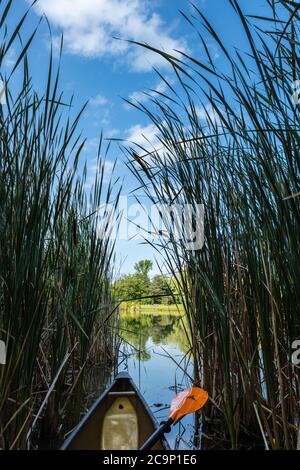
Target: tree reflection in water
138, 327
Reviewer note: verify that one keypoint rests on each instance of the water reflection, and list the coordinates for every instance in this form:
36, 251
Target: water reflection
138, 328
156, 354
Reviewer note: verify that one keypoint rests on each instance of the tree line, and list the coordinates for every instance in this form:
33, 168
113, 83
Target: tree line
160, 290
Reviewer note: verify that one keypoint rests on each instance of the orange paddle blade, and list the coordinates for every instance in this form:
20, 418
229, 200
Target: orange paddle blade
188, 401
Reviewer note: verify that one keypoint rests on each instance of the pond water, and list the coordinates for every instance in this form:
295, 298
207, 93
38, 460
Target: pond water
155, 353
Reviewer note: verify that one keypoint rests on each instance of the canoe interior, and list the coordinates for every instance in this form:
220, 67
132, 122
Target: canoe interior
88, 434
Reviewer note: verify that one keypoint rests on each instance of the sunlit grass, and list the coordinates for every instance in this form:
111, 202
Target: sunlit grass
176, 310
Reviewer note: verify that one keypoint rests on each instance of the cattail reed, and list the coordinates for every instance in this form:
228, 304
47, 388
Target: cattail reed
241, 290
55, 270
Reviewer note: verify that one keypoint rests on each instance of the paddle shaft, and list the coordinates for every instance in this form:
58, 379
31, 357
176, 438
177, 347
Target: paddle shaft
165, 427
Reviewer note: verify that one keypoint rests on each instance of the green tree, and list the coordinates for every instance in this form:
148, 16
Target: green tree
137, 285
160, 286
143, 267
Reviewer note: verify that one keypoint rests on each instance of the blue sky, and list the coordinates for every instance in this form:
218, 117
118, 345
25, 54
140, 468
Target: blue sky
104, 70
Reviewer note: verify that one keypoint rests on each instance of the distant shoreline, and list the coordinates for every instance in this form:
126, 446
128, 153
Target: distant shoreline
155, 309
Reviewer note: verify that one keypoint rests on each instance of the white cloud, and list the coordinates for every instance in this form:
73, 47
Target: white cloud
208, 114
10, 58
145, 136
90, 25
214, 50
93, 169
143, 97
147, 142
111, 133
98, 101
91, 145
